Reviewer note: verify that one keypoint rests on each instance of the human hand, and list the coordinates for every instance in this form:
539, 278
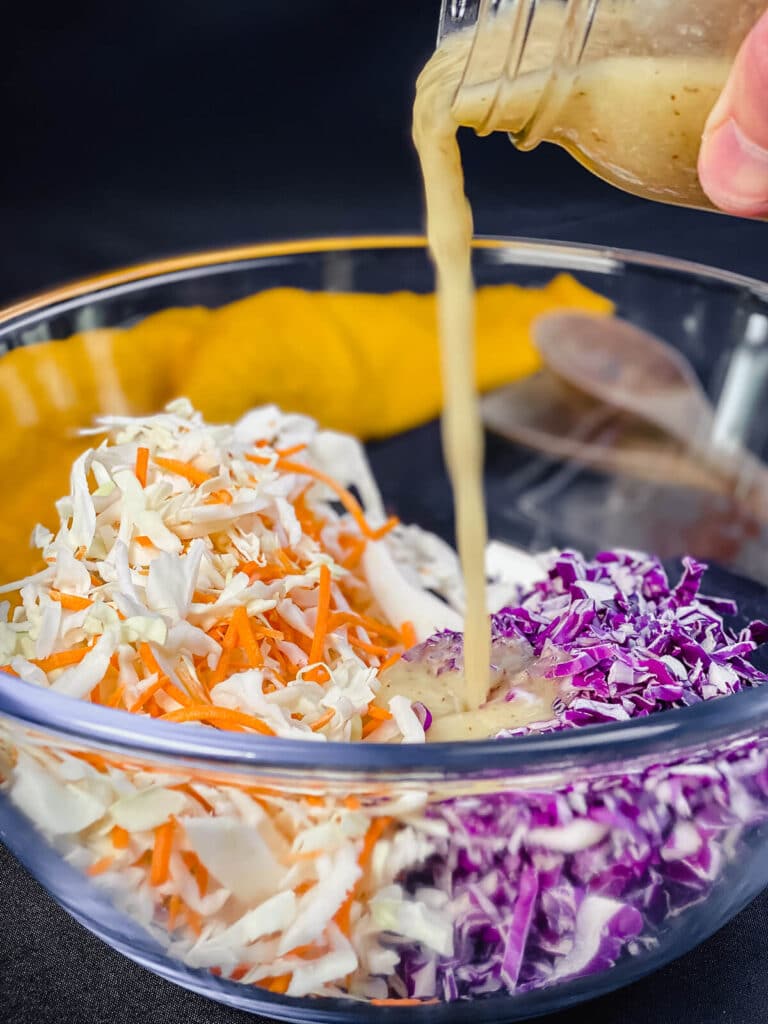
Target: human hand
733, 162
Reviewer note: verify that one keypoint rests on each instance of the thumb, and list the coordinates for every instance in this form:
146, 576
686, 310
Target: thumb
733, 161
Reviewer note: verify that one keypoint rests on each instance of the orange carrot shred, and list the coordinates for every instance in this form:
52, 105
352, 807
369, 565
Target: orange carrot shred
149, 659
71, 602
323, 720
184, 469
318, 674
377, 827
362, 645
177, 694
390, 661
146, 694
161, 853
174, 906
241, 623
409, 635
222, 717
346, 498
323, 607
120, 838
194, 920
100, 866
198, 869
381, 713
287, 452
370, 727
280, 984
142, 465
365, 622
62, 659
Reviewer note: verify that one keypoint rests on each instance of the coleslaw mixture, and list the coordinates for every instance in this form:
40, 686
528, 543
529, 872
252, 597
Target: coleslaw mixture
247, 578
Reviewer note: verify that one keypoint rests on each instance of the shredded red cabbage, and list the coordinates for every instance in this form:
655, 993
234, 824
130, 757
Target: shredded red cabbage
546, 886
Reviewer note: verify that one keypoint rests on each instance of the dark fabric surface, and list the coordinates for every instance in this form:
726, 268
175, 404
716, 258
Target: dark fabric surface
175, 126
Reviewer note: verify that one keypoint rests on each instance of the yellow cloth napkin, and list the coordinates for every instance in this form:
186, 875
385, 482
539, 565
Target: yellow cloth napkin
366, 364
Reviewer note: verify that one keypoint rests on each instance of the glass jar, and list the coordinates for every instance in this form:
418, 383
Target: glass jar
625, 86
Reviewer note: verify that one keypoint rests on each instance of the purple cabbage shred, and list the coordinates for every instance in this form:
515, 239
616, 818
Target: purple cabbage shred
548, 885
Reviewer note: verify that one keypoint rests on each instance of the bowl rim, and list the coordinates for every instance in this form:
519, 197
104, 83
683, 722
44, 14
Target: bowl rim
91, 725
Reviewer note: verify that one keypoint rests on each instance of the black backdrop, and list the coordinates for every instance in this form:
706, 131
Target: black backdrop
140, 130
148, 128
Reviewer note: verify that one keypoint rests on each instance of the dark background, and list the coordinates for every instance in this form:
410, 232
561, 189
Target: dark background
149, 128
141, 130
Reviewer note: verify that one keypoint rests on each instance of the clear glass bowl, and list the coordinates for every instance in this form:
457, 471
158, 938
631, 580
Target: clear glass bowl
707, 764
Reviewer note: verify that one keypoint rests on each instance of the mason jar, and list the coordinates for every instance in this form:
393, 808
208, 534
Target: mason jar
625, 86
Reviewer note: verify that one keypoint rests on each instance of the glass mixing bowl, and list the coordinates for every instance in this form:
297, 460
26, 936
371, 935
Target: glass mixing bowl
700, 774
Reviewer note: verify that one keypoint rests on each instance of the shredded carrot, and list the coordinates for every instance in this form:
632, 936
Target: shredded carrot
286, 562
142, 465
120, 838
71, 602
370, 727
9, 670
279, 985
178, 695
263, 572
375, 830
222, 717
219, 498
323, 607
285, 453
362, 645
161, 853
184, 469
149, 659
318, 674
200, 598
174, 906
80, 552
351, 803
146, 694
144, 542
390, 661
193, 685
347, 499
408, 631
198, 869
62, 659
242, 625
117, 697
184, 787
194, 920
260, 460
381, 713
100, 866
366, 623
356, 552
323, 720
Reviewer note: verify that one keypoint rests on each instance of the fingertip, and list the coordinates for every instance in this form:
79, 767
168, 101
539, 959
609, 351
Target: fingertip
733, 171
